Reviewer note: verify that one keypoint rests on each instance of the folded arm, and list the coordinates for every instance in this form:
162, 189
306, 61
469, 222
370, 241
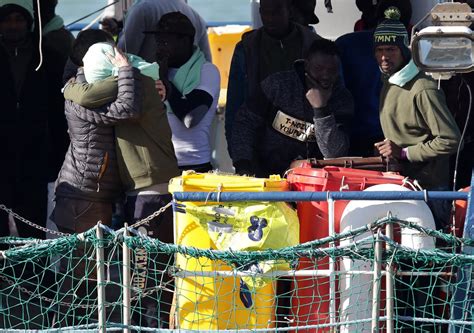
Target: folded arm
331, 122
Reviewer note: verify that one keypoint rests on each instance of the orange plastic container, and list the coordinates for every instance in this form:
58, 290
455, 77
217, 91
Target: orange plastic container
460, 214
310, 305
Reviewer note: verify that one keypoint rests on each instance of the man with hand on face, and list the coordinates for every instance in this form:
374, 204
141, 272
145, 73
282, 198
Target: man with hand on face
300, 116
270, 49
419, 130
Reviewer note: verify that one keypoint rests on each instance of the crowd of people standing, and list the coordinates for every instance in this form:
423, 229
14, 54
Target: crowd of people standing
101, 123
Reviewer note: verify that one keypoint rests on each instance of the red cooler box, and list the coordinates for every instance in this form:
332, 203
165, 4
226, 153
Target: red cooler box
310, 305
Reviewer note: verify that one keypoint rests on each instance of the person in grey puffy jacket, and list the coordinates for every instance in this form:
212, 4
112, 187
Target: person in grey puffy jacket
89, 183
304, 114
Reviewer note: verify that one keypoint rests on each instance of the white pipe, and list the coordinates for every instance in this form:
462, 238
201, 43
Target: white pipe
174, 315
255, 13
389, 285
126, 288
302, 273
100, 282
332, 264
376, 284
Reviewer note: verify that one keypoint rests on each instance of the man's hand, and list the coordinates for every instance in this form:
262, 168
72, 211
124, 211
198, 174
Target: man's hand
389, 149
119, 59
160, 86
318, 96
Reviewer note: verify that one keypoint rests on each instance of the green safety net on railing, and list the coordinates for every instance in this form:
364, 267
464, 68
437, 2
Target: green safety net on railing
53, 285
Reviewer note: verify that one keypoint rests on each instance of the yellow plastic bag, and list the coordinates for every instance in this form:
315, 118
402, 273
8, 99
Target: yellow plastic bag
242, 226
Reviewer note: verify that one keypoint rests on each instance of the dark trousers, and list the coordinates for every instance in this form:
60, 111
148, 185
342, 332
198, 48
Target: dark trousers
78, 272
154, 310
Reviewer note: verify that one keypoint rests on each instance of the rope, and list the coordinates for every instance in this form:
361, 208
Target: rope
40, 48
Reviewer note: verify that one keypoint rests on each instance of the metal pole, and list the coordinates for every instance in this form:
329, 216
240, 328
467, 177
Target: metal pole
255, 14
463, 294
389, 285
376, 284
175, 308
126, 314
182, 274
332, 264
100, 281
318, 196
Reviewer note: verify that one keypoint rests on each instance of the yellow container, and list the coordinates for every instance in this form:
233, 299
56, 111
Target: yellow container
210, 303
222, 41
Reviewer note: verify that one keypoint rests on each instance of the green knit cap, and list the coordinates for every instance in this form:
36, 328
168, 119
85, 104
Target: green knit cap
392, 32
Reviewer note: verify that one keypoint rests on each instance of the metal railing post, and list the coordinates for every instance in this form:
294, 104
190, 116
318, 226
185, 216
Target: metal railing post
255, 14
332, 263
126, 311
389, 285
376, 284
100, 281
462, 300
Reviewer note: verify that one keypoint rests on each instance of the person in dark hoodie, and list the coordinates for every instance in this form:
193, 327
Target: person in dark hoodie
270, 49
301, 115
24, 124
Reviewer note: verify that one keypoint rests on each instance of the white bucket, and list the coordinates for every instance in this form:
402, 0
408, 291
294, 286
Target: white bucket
356, 290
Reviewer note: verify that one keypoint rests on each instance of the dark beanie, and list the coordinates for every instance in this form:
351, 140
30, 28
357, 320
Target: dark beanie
392, 32
174, 23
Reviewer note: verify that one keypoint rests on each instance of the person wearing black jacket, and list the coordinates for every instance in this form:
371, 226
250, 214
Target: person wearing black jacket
24, 121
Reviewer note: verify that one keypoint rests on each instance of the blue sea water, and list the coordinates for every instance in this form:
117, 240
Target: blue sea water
331, 25
210, 10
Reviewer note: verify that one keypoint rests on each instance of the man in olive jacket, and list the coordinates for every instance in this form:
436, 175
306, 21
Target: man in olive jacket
419, 130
